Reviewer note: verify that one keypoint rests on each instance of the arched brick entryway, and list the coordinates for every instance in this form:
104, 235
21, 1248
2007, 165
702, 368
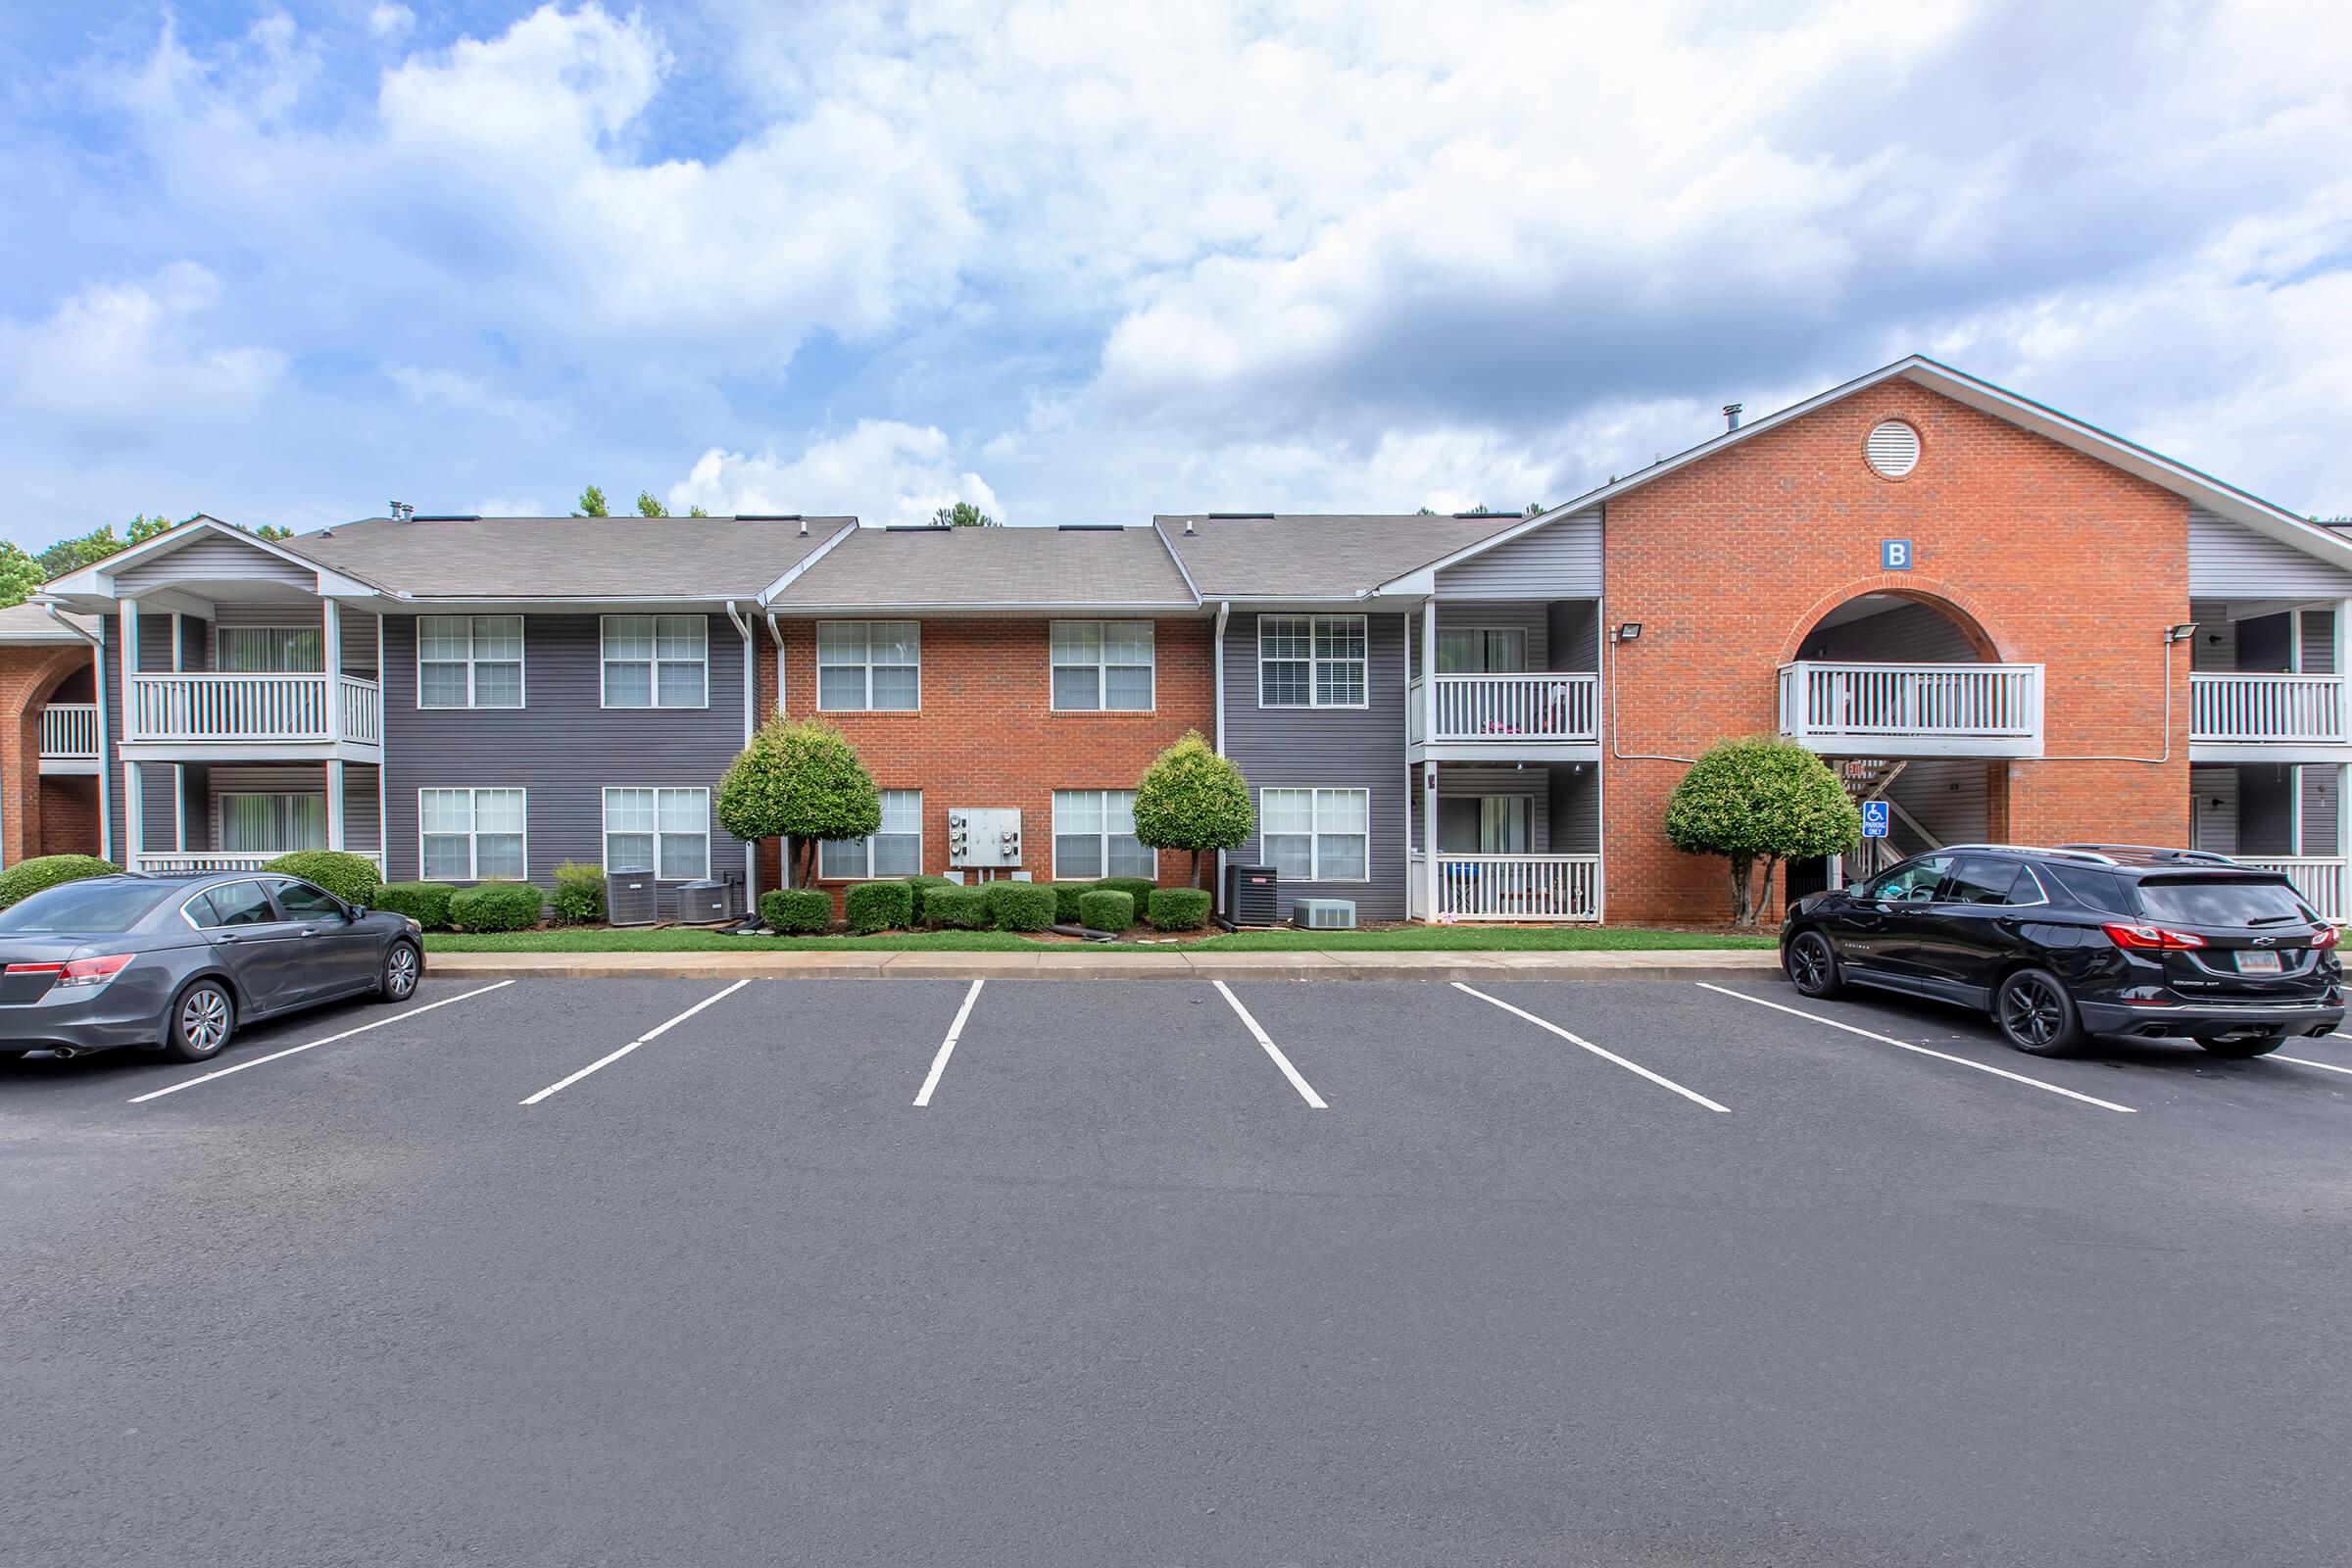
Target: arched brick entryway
35, 819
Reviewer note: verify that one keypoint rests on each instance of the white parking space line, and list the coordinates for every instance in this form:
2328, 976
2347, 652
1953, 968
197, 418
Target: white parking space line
2306, 1061
1306, 1091
1636, 1067
1906, 1045
947, 1047
654, 1033
312, 1044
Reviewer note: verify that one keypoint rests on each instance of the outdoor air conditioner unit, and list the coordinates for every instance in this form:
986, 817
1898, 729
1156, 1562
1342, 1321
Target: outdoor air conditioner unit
1324, 914
709, 902
631, 898
1250, 894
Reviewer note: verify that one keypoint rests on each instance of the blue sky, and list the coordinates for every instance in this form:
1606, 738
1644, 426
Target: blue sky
1083, 262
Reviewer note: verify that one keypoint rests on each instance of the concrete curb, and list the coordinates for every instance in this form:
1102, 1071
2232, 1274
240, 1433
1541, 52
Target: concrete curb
1078, 964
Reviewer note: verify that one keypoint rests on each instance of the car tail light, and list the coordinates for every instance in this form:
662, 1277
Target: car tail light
78, 971
2324, 937
2154, 938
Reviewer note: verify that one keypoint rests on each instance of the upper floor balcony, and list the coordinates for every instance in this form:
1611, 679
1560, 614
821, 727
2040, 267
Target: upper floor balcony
2276, 710
227, 715
1504, 714
69, 738
1912, 709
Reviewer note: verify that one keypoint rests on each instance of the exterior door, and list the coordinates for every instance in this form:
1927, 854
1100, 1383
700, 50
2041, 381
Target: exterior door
339, 958
260, 950
1885, 924
1971, 925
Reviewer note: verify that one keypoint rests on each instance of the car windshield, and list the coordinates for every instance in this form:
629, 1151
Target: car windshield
102, 904
2222, 901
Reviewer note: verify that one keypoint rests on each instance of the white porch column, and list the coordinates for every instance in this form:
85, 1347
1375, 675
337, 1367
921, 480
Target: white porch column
179, 771
1429, 671
332, 656
1429, 837
335, 804
134, 803
2341, 664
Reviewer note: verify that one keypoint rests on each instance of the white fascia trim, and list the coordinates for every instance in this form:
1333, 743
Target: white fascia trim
904, 610
767, 595
97, 578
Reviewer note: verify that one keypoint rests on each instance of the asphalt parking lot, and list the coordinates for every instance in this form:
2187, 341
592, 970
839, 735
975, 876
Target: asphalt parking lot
683, 1272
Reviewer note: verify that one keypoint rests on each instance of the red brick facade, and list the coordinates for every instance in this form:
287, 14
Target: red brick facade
2046, 555
30, 677
987, 734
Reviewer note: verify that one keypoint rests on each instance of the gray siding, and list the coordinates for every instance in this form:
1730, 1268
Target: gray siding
360, 821
159, 812
2213, 813
212, 560
1332, 746
155, 643
2320, 784
2227, 559
195, 643
563, 749
1949, 797
1558, 560
2215, 652
2318, 655
2265, 824
1908, 634
1573, 639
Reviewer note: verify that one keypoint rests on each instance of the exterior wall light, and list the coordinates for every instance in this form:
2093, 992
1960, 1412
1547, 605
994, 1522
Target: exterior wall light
1629, 632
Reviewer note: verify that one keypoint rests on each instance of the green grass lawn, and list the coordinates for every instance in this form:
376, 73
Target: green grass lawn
1456, 938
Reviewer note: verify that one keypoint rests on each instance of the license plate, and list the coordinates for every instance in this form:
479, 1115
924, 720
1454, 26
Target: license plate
2258, 963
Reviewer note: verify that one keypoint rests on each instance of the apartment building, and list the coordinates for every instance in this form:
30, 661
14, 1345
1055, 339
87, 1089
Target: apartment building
2004, 621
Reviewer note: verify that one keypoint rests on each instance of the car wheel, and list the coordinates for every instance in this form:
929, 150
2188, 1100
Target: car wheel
403, 964
2036, 1016
1812, 966
203, 1019
2244, 1045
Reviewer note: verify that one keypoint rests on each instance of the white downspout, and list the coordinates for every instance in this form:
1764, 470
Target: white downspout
777, 632
1217, 663
750, 705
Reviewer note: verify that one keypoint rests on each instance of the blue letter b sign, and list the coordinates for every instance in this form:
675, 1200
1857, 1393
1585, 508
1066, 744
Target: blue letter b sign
1894, 555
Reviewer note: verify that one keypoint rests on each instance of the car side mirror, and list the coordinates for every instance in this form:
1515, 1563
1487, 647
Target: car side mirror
357, 912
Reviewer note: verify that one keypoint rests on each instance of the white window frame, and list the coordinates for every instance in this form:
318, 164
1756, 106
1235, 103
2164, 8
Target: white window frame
817, 652
221, 815
1315, 794
652, 662
474, 826
864, 847
662, 871
1315, 661
522, 668
1102, 667
1102, 835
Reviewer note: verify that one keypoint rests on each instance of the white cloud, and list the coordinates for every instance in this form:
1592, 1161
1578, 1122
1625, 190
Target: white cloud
119, 353
882, 471
390, 21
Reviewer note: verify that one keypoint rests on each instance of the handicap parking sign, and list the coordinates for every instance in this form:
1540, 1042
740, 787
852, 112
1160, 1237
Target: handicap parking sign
1873, 819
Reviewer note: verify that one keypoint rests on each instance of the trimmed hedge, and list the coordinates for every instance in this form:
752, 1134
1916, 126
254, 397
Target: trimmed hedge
1177, 908
919, 888
1138, 888
1065, 900
956, 908
1020, 906
879, 906
797, 912
425, 903
28, 877
1106, 912
353, 878
579, 895
495, 906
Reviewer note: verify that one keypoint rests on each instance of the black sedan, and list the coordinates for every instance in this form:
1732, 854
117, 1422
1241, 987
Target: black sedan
179, 963
2058, 945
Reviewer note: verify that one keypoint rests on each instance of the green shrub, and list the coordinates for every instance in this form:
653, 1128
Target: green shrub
1138, 888
802, 912
1177, 908
425, 903
353, 878
880, 906
919, 888
1192, 798
1065, 900
1756, 802
579, 895
956, 908
28, 877
1020, 906
1106, 912
495, 906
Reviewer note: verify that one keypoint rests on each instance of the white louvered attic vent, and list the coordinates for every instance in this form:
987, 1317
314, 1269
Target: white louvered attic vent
1892, 449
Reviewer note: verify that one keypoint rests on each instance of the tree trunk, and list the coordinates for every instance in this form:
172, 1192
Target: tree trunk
1196, 869
1743, 914
1763, 900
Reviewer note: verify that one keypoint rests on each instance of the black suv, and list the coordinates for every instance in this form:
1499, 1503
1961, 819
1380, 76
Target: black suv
2090, 939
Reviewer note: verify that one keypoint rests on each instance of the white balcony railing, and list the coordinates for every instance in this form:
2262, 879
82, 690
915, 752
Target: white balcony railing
2273, 709
1540, 705
70, 732
213, 707
167, 863
1952, 709
1510, 887
2319, 878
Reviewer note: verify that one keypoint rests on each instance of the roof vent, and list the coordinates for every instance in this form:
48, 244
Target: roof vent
1240, 517
1892, 449
1730, 415
770, 517
1188, 527
1088, 527
1482, 511
402, 511
915, 527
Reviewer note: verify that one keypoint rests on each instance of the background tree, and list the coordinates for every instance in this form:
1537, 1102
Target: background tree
648, 506
963, 514
71, 555
696, 512
1192, 798
592, 504
1757, 802
799, 781
19, 574
270, 531
144, 527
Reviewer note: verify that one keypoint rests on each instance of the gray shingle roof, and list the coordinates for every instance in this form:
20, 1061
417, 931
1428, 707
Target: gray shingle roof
568, 557
917, 569
1327, 555
31, 623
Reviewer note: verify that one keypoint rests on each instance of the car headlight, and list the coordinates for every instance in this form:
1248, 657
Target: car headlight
415, 926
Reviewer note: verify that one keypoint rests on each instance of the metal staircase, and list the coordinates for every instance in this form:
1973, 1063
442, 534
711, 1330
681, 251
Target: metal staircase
1868, 778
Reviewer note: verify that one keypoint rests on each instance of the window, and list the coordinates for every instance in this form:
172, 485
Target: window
1484, 824
864, 664
1310, 661
74, 908
271, 649
231, 904
470, 835
666, 832
1912, 882
657, 661
2223, 901
1482, 651
897, 849
1981, 879
470, 661
299, 901
1317, 835
272, 824
1103, 664
1094, 834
